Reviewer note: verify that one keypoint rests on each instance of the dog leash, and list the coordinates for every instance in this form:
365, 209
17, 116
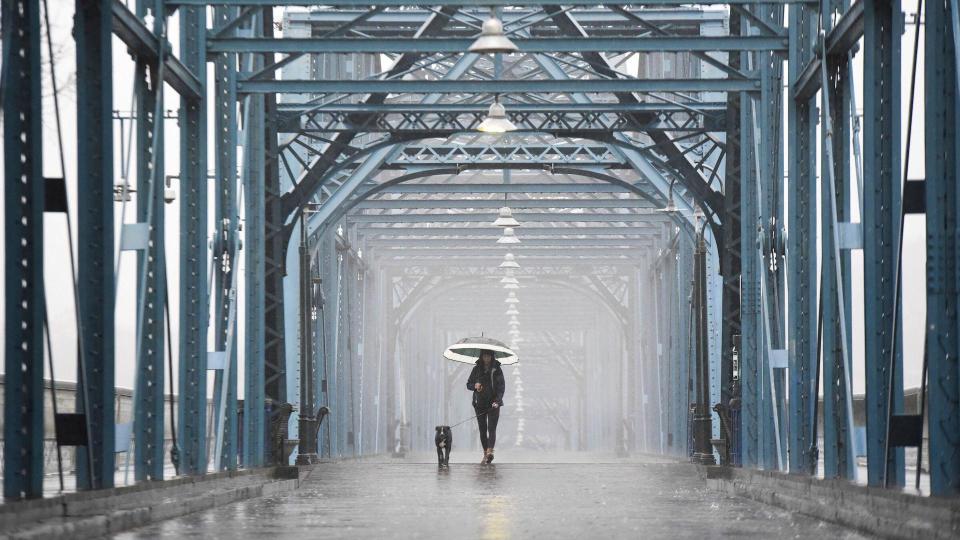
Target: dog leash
475, 416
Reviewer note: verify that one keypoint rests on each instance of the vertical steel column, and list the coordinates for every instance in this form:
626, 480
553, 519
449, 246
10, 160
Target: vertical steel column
942, 151
839, 459
750, 359
226, 224
881, 230
730, 265
194, 309
95, 242
802, 255
23, 247
253, 155
151, 267
275, 242
769, 183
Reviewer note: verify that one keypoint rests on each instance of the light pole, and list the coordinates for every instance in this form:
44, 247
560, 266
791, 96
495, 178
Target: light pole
307, 424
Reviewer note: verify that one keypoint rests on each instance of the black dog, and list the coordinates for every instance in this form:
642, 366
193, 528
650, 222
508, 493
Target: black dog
444, 441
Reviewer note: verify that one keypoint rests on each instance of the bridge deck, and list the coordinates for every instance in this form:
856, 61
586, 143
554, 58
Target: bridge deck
520, 496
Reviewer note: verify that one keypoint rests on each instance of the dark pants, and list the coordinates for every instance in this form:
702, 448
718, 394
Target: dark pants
488, 427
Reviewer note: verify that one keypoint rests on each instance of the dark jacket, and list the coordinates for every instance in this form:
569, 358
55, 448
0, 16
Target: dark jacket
492, 390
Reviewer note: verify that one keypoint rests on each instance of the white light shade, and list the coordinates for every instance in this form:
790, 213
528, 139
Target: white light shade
509, 279
496, 120
511, 286
509, 261
492, 39
513, 311
514, 320
512, 299
508, 237
505, 218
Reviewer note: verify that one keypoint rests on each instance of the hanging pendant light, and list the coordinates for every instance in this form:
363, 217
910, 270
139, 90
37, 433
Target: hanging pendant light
514, 320
508, 237
513, 311
509, 261
505, 218
509, 280
512, 298
511, 286
492, 39
496, 120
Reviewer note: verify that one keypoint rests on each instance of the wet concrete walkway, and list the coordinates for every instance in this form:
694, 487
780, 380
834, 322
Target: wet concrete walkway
528, 496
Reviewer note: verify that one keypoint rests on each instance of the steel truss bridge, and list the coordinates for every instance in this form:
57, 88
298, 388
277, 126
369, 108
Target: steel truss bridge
332, 182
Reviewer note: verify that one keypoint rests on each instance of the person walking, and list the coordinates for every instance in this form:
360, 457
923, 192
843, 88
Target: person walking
487, 383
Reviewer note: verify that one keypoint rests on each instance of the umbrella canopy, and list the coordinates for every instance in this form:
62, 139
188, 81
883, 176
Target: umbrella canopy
467, 350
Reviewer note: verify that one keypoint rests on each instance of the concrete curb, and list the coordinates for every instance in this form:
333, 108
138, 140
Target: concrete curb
105, 512
879, 512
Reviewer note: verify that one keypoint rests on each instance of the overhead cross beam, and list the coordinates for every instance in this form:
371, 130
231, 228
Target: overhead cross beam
527, 45
384, 87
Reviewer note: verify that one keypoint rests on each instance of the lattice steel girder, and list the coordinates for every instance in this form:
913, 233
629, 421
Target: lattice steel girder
475, 3
401, 108
142, 41
254, 231
507, 188
840, 40
444, 124
95, 227
23, 249
405, 18
528, 243
567, 256
533, 155
494, 232
395, 204
523, 217
468, 86
526, 45
193, 253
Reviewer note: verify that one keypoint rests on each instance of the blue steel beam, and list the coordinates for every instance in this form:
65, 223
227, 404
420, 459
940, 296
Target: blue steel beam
802, 256
839, 460
513, 86
840, 40
749, 292
707, 108
254, 244
95, 242
151, 280
193, 253
597, 187
474, 3
428, 204
523, 217
881, 230
23, 249
226, 223
146, 46
942, 152
527, 45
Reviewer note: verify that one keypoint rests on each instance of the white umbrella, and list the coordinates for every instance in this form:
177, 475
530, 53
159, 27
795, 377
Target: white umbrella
468, 350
